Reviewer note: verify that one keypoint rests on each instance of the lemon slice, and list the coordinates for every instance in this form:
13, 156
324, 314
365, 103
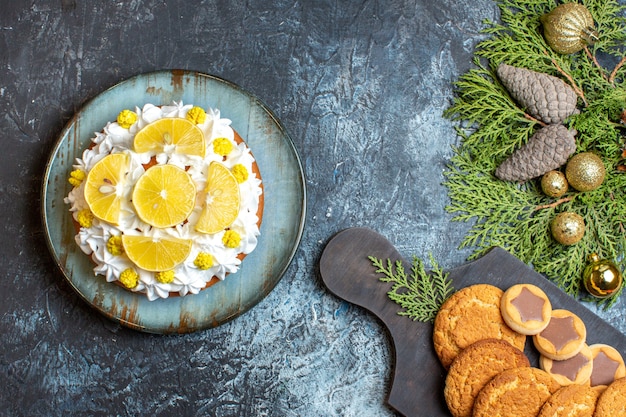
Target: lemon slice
180, 135
164, 196
103, 192
222, 200
156, 254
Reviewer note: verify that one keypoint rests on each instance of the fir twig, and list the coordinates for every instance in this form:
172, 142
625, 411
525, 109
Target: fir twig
556, 203
575, 86
616, 69
419, 295
596, 63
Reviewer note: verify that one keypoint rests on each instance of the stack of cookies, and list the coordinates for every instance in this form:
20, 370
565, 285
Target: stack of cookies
479, 336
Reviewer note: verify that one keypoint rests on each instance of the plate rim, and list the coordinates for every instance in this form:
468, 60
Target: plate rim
61, 137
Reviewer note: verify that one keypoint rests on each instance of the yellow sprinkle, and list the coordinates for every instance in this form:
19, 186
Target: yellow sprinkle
76, 177
126, 118
231, 239
115, 246
85, 218
196, 115
222, 146
164, 277
204, 260
240, 172
129, 278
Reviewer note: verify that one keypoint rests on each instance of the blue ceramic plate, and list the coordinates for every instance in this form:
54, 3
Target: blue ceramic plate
283, 216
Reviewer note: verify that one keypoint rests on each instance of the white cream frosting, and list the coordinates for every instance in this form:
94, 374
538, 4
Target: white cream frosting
188, 278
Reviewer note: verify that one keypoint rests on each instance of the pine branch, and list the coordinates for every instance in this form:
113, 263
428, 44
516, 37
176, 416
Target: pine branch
419, 295
491, 126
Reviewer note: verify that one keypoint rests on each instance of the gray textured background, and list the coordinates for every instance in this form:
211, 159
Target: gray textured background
360, 87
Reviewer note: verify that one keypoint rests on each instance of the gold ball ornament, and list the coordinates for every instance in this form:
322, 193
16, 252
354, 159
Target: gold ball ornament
568, 28
567, 228
585, 171
601, 277
554, 184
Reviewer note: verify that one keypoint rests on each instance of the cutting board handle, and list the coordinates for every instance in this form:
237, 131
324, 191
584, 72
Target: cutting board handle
350, 275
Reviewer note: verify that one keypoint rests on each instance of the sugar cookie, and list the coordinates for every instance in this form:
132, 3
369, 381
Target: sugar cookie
474, 367
517, 392
469, 315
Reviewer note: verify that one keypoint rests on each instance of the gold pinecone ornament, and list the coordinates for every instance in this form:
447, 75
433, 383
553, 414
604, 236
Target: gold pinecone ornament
546, 150
568, 28
543, 96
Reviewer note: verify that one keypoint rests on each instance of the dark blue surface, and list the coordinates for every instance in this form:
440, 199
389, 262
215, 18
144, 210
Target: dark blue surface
359, 86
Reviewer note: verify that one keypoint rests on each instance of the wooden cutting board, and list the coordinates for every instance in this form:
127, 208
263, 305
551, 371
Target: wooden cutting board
418, 377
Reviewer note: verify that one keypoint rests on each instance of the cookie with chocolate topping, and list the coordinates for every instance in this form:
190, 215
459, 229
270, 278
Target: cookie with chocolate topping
563, 338
575, 370
608, 365
526, 309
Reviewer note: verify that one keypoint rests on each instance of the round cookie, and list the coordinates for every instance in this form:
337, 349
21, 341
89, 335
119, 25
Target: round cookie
575, 370
571, 401
612, 402
474, 367
517, 392
563, 338
467, 316
526, 309
608, 365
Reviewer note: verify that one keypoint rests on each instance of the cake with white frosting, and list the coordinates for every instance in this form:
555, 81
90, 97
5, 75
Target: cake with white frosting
207, 252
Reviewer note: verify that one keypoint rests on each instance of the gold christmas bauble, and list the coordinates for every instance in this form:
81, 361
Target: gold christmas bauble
554, 183
568, 28
567, 228
601, 277
585, 171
